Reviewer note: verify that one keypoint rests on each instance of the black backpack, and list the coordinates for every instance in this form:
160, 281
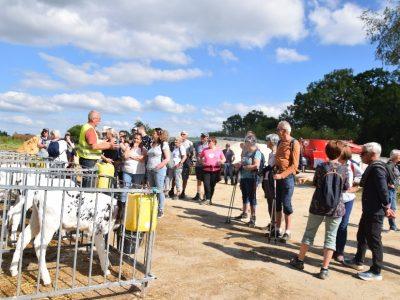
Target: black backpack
53, 149
328, 193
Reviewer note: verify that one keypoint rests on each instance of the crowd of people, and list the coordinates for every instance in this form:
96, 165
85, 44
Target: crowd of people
155, 161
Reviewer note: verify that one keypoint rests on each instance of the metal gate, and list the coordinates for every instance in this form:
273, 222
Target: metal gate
74, 270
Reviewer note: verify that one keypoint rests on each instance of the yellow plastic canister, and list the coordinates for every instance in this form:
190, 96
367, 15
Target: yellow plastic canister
106, 174
141, 212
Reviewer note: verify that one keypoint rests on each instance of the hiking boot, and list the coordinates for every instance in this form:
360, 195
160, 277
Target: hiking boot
369, 276
323, 274
197, 197
274, 233
297, 263
171, 194
160, 214
351, 263
241, 216
182, 196
252, 222
285, 238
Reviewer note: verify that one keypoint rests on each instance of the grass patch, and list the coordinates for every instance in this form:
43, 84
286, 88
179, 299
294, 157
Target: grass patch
10, 143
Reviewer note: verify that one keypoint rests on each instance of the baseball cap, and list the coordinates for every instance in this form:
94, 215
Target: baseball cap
204, 134
105, 128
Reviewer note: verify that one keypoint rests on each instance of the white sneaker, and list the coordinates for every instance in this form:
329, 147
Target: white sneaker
369, 276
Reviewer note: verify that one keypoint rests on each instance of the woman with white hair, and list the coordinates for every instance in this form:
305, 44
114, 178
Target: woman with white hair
57, 148
392, 187
268, 179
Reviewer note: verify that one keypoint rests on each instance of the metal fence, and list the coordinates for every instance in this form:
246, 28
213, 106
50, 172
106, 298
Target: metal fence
53, 199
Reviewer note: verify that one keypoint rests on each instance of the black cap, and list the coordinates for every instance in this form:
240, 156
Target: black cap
204, 134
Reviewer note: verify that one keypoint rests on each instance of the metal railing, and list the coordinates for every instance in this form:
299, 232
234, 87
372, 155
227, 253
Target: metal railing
56, 195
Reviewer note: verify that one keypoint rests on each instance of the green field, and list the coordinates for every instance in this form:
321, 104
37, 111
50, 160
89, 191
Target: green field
9, 143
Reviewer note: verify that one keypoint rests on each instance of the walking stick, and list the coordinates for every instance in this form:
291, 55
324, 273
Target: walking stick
230, 209
273, 219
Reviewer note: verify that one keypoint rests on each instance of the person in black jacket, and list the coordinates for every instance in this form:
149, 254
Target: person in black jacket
394, 184
375, 206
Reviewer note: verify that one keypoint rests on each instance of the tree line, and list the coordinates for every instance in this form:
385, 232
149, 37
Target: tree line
342, 105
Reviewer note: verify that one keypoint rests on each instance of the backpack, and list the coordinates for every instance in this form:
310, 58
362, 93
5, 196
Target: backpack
327, 195
260, 170
54, 149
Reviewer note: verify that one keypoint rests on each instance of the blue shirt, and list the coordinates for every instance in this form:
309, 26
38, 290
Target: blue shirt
247, 160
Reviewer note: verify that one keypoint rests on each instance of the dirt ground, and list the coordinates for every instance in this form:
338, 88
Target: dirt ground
198, 256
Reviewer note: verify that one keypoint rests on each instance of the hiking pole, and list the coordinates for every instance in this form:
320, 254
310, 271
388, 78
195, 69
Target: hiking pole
273, 218
230, 209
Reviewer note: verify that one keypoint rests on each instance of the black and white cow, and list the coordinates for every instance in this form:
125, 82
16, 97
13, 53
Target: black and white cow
92, 221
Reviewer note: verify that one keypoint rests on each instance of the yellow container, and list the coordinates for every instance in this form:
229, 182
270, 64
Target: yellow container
106, 175
141, 212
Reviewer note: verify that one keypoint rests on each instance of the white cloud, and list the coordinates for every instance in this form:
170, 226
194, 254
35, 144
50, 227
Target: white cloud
287, 55
21, 120
89, 74
19, 102
242, 108
155, 30
41, 81
167, 104
341, 26
225, 54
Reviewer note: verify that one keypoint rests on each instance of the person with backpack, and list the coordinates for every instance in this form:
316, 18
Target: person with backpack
330, 180
354, 171
175, 167
158, 157
286, 167
249, 167
212, 159
268, 182
375, 206
57, 148
394, 184
187, 163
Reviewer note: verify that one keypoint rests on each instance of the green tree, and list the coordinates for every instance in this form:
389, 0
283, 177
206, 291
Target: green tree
384, 30
233, 125
75, 131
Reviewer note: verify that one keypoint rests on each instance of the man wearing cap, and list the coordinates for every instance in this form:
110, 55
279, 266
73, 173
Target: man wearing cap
90, 146
228, 165
199, 147
188, 162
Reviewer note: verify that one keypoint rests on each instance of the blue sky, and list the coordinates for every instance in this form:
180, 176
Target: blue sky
181, 65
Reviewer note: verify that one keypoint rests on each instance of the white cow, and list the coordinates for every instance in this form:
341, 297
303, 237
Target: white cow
16, 211
52, 215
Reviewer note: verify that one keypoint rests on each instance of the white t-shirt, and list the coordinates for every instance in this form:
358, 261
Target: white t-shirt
133, 166
154, 155
62, 146
187, 144
177, 155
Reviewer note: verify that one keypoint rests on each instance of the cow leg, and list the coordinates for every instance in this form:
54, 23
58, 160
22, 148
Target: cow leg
100, 246
29, 233
48, 233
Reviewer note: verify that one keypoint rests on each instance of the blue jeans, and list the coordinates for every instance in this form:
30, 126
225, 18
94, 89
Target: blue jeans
393, 206
341, 237
228, 172
249, 189
284, 193
129, 180
156, 178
